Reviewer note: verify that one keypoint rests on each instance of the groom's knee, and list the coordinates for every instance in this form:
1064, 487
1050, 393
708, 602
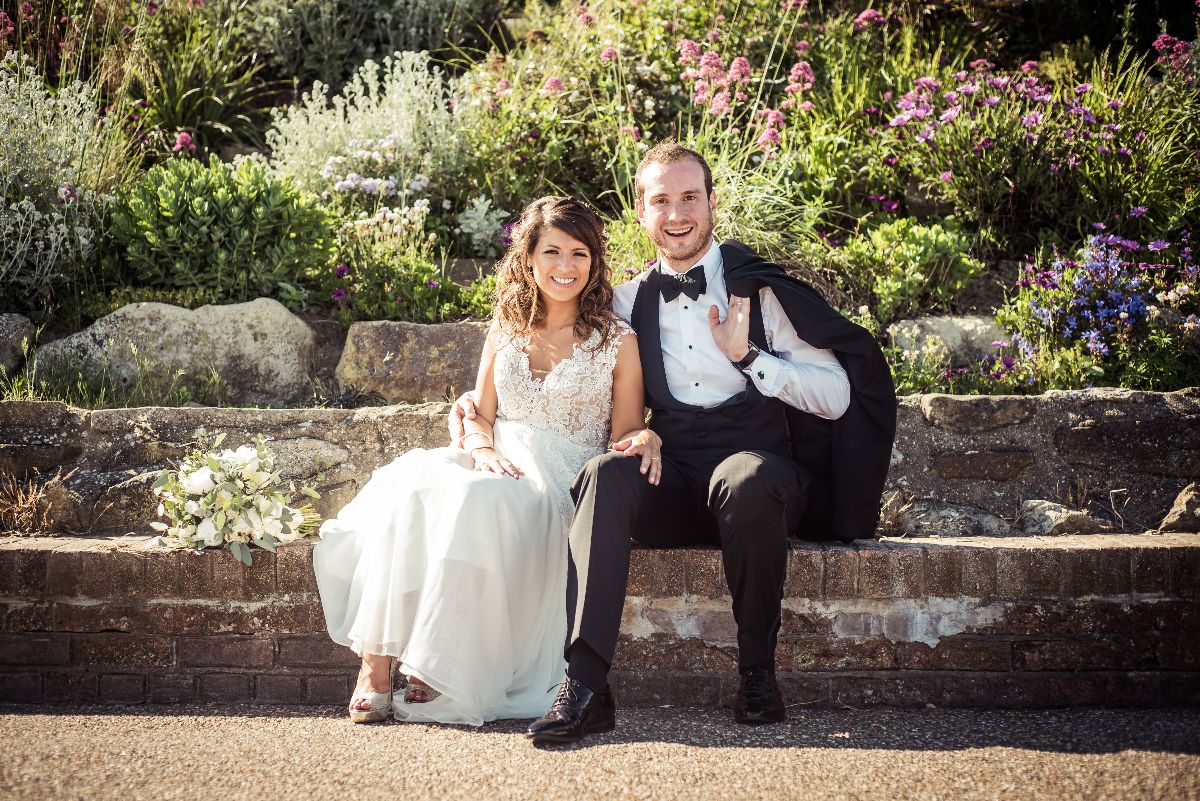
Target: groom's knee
608, 473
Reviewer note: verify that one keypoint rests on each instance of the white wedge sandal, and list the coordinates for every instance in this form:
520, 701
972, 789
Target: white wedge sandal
380, 704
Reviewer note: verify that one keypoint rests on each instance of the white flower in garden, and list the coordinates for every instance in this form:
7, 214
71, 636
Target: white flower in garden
198, 482
419, 184
191, 507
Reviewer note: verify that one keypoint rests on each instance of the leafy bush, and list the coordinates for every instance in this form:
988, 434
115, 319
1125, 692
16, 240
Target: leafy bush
1039, 161
203, 79
325, 40
57, 159
909, 266
392, 122
388, 270
231, 229
1108, 317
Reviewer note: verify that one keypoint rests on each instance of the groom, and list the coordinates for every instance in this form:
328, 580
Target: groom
777, 416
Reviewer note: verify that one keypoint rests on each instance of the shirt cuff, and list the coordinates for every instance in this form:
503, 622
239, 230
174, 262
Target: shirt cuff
767, 375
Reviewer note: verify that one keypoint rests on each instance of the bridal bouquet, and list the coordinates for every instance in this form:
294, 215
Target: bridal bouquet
231, 498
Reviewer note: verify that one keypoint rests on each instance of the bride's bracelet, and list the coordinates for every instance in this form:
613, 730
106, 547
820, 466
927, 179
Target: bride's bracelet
471, 452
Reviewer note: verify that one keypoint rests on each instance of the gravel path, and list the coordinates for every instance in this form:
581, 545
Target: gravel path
298, 753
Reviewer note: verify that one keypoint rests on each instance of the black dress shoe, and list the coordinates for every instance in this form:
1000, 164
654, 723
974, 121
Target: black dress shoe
575, 713
759, 700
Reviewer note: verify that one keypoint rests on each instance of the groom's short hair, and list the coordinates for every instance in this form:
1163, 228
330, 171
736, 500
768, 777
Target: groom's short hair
669, 152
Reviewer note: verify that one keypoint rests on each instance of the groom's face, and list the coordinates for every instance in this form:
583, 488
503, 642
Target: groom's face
676, 212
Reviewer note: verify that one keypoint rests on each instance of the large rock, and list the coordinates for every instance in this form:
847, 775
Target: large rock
1185, 513
15, 330
262, 352
410, 362
966, 339
1047, 517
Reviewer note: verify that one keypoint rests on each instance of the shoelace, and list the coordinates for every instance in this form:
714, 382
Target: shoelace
757, 682
566, 694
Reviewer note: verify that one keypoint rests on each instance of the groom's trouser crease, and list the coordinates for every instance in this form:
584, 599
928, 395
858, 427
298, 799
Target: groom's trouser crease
746, 503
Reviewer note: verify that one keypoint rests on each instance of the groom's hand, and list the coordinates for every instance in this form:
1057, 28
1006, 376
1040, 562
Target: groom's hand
463, 408
733, 334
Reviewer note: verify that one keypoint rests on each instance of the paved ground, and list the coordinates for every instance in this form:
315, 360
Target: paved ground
299, 753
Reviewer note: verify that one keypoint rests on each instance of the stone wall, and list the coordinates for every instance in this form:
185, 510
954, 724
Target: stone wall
962, 465
1029, 622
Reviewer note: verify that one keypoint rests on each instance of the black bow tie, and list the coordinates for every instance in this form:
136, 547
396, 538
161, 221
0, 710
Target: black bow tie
692, 283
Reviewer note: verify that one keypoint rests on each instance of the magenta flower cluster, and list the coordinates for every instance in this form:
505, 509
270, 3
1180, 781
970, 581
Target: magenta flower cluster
712, 84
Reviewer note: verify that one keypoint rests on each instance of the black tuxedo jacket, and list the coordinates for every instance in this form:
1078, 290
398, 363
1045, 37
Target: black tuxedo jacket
848, 458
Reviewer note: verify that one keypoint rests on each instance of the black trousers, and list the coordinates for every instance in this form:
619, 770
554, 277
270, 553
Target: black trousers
745, 502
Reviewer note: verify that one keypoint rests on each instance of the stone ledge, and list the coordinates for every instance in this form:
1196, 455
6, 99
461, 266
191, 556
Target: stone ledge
967, 463
1080, 619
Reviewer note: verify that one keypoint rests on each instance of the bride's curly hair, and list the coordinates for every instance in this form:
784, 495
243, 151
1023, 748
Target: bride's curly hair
518, 303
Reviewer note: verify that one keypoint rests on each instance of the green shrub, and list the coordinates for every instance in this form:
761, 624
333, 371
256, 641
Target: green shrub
1111, 315
326, 40
58, 158
203, 79
908, 266
388, 270
231, 229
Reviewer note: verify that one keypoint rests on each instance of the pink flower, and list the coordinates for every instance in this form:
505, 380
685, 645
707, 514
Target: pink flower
946, 177
6, 25
584, 16
868, 18
768, 139
950, 114
1029, 66
1031, 119
503, 87
771, 117
195, 5
711, 65
739, 70
713, 35
928, 82
1083, 88
794, 5
553, 86
631, 131
802, 47
807, 105
27, 12
608, 54
800, 78
700, 95
689, 51
982, 64
183, 141
720, 104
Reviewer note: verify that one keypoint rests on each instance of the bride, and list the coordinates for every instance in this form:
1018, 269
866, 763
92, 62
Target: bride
453, 561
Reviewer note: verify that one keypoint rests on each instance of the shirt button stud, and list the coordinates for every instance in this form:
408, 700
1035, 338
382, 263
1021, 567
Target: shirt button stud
761, 374
697, 383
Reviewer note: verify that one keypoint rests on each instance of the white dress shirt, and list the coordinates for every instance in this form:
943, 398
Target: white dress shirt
699, 374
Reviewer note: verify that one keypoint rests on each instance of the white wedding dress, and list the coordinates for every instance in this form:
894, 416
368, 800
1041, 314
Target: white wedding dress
462, 574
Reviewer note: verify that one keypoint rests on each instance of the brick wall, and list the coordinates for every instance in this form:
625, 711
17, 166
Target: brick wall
1027, 622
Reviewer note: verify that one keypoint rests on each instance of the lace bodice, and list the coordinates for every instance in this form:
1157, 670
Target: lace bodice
574, 400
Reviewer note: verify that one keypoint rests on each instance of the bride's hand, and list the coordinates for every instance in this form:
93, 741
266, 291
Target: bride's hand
463, 409
648, 446
487, 460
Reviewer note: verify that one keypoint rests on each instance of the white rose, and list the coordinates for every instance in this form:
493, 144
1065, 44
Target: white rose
198, 482
207, 532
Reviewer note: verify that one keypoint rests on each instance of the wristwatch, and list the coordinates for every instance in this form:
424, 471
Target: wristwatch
748, 359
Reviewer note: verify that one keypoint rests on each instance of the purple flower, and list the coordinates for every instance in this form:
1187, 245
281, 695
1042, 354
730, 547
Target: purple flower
432, 283
947, 176
342, 270
1031, 119
338, 295
1083, 88
868, 18
608, 54
1158, 244
1099, 226
553, 86
1114, 104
